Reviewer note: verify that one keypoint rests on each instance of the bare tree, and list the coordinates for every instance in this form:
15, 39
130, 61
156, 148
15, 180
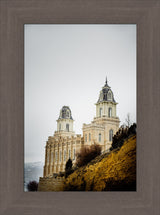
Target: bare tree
128, 120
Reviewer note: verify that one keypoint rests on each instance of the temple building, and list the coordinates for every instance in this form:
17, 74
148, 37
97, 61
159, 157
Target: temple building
64, 144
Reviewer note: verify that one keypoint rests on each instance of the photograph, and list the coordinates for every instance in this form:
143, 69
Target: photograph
80, 107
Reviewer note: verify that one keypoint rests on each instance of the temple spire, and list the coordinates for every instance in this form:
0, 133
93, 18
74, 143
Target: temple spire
106, 79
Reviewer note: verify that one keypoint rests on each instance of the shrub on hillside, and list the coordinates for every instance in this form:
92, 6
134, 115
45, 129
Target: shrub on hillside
32, 186
132, 129
68, 168
68, 164
87, 154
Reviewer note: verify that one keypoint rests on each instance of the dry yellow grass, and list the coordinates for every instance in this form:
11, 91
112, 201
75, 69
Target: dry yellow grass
117, 171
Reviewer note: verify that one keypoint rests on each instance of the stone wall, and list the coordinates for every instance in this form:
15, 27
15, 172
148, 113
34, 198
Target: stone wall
51, 184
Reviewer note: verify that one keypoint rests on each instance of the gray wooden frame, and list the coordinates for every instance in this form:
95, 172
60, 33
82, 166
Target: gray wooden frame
13, 15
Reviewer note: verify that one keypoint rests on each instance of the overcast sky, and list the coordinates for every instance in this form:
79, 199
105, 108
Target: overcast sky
68, 65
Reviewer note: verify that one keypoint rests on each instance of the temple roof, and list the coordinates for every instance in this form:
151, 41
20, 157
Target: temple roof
65, 113
106, 94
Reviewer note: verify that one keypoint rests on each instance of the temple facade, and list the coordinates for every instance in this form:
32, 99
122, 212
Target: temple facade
64, 144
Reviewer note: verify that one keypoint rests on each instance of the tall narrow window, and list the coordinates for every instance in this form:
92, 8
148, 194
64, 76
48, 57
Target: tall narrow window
63, 113
67, 127
56, 156
104, 96
60, 127
60, 156
69, 153
110, 135
67, 114
51, 157
85, 137
100, 112
64, 155
101, 96
109, 96
99, 137
89, 137
74, 154
48, 157
110, 112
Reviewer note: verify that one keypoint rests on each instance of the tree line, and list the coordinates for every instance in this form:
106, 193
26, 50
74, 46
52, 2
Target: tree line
122, 134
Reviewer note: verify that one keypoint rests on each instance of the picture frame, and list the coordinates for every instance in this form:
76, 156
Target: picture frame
13, 15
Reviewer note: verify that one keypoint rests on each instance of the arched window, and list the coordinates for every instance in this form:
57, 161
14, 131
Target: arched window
110, 112
109, 96
67, 127
99, 137
89, 137
67, 114
85, 137
104, 96
110, 135
100, 111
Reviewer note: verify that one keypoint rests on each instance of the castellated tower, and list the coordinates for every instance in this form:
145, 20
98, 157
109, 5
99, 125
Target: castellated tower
106, 122
64, 144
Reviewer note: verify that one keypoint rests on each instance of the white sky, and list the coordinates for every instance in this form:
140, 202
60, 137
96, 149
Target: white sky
68, 65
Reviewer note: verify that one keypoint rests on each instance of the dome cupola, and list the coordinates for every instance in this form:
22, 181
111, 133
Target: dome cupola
106, 104
65, 113
106, 94
65, 123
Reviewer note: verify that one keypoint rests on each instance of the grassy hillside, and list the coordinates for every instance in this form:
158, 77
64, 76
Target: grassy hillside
115, 171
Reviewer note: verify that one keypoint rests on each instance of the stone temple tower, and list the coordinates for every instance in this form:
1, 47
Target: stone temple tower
65, 123
106, 104
106, 122
64, 144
